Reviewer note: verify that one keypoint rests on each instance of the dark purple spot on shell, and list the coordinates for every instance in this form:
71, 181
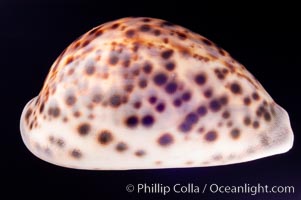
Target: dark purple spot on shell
235, 88
121, 146
167, 54
186, 96
200, 79
185, 127
171, 87
148, 120
223, 100
152, 99
211, 136
191, 118
115, 100
170, 66
202, 111
255, 96
160, 79
165, 139
160, 107
177, 102
132, 121
147, 68
214, 105
75, 153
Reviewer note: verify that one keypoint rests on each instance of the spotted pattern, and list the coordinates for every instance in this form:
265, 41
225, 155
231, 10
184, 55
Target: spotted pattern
146, 93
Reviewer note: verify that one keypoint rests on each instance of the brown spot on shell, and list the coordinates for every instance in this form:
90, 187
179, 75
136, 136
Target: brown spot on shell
128, 88
181, 36
267, 116
113, 59
54, 111
42, 106
157, 32
145, 28
28, 114
140, 153
105, 137
142, 83
247, 101
235, 133
137, 104
226, 114
60, 142
247, 121
115, 26
207, 42
256, 124
69, 60
70, 100
84, 129
255, 96
130, 33
97, 98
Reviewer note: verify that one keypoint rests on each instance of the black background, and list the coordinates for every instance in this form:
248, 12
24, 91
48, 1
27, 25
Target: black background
265, 38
